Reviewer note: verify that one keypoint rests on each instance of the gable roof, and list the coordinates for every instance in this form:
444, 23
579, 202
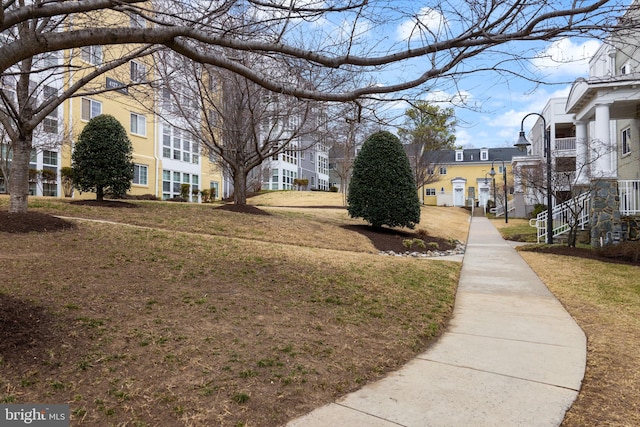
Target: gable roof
472, 155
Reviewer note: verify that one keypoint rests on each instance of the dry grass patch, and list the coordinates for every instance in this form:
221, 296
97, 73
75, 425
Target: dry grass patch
516, 229
298, 198
604, 299
438, 221
186, 325
446, 222
282, 226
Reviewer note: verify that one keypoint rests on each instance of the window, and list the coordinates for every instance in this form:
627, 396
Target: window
166, 141
459, 156
213, 186
484, 155
287, 179
443, 170
166, 97
91, 54
138, 72
140, 174
178, 145
49, 59
49, 92
429, 191
290, 155
626, 141
323, 165
625, 69
49, 158
172, 183
195, 153
138, 124
90, 108
195, 187
50, 123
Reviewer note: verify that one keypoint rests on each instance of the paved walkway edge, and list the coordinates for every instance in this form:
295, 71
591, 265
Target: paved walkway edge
511, 355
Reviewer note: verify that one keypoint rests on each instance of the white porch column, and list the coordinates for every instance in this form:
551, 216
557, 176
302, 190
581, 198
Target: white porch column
517, 178
601, 144
582, 154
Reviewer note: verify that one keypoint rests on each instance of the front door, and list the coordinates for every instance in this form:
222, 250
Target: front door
458, 197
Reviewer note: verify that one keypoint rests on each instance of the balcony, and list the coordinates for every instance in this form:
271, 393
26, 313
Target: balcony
565, 144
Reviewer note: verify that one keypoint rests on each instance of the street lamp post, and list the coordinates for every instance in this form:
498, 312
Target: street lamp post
486, 184
522, 145
504, 176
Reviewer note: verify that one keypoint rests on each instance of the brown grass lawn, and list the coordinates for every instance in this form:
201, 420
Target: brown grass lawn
191, 315
604, 298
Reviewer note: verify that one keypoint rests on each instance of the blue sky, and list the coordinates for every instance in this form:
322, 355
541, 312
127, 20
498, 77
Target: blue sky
504, 105
497, 102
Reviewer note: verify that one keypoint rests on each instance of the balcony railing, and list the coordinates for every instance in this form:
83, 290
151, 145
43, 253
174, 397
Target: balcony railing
629, 192
562, 144
576, 211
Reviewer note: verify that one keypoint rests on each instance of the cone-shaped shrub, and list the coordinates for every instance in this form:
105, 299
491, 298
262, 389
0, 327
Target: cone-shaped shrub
382, 189
102, 157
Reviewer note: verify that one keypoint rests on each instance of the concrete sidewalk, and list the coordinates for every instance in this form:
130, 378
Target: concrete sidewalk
511, 356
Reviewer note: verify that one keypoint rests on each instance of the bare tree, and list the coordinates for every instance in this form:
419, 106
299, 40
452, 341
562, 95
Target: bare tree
33, 91
234, 120
427, 131
353, 124
565, 188
290, 31
5, 160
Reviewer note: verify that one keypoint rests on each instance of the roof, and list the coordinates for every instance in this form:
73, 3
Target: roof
472, 155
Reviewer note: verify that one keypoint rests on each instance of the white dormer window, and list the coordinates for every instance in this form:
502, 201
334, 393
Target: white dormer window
459, 156
625, 69
484, 154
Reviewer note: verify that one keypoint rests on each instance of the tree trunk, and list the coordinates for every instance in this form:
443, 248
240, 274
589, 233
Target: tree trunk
18, 185
572, 236
240, 187
99, 193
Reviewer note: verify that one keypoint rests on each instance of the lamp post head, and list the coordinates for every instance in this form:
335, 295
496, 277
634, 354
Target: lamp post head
522, 143
493, 172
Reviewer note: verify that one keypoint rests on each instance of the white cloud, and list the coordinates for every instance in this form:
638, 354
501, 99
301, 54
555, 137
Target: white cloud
464, 138
456, 99
427, 23
358, 30
566, 58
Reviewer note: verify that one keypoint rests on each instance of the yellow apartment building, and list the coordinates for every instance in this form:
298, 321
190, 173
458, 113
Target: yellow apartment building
463, 177
165, 155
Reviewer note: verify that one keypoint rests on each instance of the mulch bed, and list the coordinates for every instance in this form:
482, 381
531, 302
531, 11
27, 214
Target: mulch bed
32, 222
624, 253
